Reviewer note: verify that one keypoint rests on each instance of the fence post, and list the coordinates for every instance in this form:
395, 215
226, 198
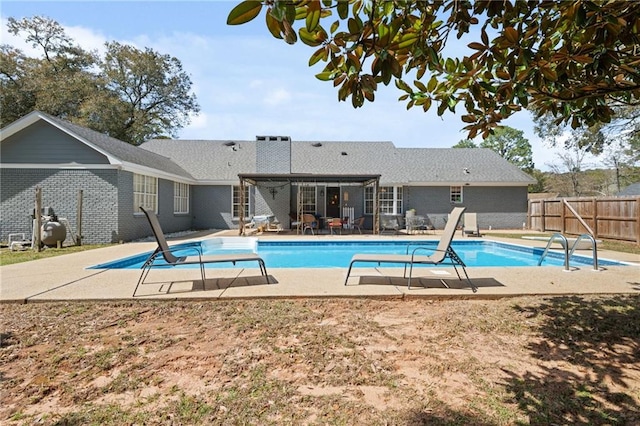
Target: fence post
37, 221
595, 217
638, 221
563, 216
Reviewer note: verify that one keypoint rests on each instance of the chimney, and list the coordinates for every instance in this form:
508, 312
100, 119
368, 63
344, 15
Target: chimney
273, 154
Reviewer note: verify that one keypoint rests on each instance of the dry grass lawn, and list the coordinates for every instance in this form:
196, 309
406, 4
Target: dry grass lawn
533, 360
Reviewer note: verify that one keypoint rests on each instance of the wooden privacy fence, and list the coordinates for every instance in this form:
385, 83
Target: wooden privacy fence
616, 218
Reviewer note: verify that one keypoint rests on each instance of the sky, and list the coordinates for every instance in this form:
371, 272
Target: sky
248, 83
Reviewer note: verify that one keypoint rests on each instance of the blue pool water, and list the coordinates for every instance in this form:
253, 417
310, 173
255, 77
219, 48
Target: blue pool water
337, 254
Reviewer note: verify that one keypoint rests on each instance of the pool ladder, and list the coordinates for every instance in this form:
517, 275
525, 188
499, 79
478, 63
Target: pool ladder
569, 252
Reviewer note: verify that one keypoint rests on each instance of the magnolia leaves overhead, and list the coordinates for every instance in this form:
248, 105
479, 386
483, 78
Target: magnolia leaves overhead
575, 60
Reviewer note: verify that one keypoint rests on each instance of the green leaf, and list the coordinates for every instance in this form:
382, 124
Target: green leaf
426, 105
383, 34
274, 26
290, 12
450, 65
308, 38
313, 15
403, 86
325, 76
421, 86
320, 54
354, 25
407, 40
244, 12
386, 72
442, 108
343, 9
431, 85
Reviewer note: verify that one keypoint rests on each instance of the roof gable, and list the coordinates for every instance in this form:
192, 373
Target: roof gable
41, 143
115, 151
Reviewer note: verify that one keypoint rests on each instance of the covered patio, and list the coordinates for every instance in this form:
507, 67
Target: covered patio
303, 179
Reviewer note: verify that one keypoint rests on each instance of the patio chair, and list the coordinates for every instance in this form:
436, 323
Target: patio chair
335, 224
470, 227
358, 224
441, 254
309, 222
172, 259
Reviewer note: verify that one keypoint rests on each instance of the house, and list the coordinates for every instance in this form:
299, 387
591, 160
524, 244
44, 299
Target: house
39, 150
631, 190
217, 184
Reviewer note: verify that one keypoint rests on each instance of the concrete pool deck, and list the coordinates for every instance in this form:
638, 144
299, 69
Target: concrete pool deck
65, 277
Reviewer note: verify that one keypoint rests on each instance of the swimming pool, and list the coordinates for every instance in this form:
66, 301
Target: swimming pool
337, 254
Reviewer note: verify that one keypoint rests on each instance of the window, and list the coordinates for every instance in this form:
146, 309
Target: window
456, 194
368, 200
308, 194
390, 198
180, 198
237, 203
145, 193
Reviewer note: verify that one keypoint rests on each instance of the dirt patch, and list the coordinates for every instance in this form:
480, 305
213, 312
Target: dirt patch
527, 360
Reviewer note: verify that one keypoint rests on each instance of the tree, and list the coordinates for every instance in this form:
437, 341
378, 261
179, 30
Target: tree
624, 163
129, 94
568, 182
148, 95
575, 60
465, 143
58, 83
511, 145
541, 181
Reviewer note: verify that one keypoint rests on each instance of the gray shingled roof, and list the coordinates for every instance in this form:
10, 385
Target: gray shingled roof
633, 189
214, 160
121, 150
211, 161
208, 160
472, 165
346, 158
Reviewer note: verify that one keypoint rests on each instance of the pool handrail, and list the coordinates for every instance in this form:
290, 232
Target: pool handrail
565, 247
594, 248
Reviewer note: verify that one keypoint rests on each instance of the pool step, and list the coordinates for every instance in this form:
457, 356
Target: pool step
231, 243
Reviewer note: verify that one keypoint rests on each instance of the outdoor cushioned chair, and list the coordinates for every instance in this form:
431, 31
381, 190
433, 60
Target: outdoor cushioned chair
197, 258
309, 222
443, 253
335, 224
470, 227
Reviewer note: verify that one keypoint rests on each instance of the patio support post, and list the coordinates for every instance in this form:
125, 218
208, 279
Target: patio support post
241, 208
299, 208
376, 207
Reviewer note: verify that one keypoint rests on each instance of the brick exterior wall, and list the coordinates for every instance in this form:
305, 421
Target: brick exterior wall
212, 207
273, 154
497, 207
107, 204
60, 191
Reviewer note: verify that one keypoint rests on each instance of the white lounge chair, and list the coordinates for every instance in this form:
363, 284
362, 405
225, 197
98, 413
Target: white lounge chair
443, 253
470, 227
389, 222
